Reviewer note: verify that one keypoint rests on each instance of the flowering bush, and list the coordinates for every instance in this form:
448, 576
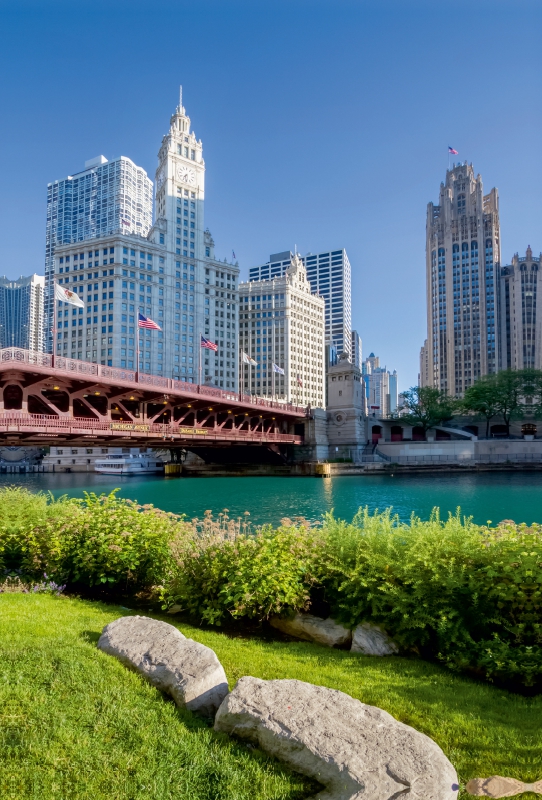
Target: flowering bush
224, 570
48, 587
468, 595
94, 541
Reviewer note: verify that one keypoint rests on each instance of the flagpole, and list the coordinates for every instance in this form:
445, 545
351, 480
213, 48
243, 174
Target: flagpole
137, 347
199, 367
54, 322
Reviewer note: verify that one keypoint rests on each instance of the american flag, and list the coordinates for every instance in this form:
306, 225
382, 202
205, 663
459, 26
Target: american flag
452, 152
299, 381
147, 322
208, 344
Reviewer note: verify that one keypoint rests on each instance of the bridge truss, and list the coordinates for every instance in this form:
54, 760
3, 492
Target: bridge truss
45, 401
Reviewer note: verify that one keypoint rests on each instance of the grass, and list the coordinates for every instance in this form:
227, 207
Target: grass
76, 724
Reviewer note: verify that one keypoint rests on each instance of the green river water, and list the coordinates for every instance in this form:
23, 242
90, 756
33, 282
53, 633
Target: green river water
484, 496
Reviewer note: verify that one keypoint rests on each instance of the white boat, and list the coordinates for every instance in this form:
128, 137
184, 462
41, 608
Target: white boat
128, 465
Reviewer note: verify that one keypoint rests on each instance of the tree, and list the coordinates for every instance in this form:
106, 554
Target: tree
504, 394
427, 407
510, 390
482, 399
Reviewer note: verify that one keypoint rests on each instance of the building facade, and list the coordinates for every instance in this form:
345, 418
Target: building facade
169, 274
423, 375
520, 327
462, 263
329, 275
282, 323
80, 459
356, 356
21, 312
105, 198
381, 388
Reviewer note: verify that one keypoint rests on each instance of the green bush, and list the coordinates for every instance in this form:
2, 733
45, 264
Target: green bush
249, 575
467, 595
470, 596
95, 541
20, 512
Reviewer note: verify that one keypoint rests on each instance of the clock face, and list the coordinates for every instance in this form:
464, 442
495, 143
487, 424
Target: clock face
186, 175
160, 179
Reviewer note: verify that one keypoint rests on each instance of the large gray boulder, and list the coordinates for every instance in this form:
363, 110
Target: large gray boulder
371, 640
188, 671
356, 751
313, 629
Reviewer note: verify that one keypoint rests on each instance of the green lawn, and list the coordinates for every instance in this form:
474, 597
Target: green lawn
76, 724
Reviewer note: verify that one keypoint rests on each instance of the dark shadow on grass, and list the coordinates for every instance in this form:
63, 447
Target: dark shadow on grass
90, 636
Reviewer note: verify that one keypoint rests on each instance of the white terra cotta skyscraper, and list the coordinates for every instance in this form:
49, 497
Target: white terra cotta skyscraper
168, 273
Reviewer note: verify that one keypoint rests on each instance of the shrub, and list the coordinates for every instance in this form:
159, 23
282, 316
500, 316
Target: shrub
20, 512
220, 574
467, 595
95, 541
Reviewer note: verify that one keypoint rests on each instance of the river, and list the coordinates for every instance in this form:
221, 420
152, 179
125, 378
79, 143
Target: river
484, 496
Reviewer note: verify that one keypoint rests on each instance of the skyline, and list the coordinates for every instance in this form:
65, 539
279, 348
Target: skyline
289, 142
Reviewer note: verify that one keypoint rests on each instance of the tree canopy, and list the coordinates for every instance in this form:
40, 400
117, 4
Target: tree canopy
427, 406
506, 394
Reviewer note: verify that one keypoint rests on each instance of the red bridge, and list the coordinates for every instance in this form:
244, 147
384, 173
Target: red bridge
85, 403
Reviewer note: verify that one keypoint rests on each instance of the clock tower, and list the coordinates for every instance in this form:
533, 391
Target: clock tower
180, 187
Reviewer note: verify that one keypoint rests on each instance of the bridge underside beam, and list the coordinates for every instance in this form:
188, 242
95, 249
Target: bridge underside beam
39, 409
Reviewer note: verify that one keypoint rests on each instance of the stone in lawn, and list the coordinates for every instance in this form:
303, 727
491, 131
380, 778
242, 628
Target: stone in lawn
358, 752
498, 787
188, 671
371, 640
313, 629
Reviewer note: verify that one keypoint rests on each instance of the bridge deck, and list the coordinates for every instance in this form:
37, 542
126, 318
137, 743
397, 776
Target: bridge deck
67, 400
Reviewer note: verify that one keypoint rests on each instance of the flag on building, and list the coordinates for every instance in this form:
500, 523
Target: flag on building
452, 152
66, 296
246, 359
147, 322
233, 253
207, 343
278, 369
299, 381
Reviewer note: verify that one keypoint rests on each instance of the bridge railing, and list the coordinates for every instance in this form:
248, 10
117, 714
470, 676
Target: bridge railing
73, 366
22, 420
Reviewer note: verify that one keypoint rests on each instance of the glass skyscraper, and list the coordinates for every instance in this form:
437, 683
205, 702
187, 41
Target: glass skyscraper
106, 198
329, 275
21, 312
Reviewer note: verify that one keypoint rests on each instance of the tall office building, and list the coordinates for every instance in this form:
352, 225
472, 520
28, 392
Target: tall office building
105, 198
282, 323
520, 326
212, 291
329, 275
393, 392
462, 258
423, 375
169, 274
21, 312
380, 387
356, 357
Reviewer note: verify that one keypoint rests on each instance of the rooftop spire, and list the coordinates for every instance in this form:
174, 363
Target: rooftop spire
180, 97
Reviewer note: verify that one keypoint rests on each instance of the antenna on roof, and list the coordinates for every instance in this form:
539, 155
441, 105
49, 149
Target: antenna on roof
180, 96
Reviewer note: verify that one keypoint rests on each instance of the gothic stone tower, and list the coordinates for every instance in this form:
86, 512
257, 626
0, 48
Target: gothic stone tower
462, 258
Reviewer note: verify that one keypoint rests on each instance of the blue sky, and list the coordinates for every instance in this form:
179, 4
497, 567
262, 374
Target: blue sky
325, 124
